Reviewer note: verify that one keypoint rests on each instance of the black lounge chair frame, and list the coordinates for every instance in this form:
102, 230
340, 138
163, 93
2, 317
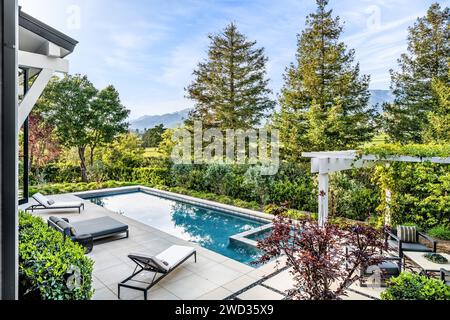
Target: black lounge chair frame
141, 267
41, 207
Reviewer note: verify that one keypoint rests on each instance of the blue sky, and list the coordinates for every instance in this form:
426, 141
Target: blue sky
147, 48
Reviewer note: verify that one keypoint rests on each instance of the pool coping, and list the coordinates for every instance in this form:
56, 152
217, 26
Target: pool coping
243, 237
207, 204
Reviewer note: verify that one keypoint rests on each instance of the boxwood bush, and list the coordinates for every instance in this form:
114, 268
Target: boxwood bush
51, 268
410, 286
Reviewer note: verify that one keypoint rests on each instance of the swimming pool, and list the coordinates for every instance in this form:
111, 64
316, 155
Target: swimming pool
209, 228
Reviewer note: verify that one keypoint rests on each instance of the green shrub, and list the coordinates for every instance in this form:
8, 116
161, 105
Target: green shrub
420, 193
218, 178
58, 188
151, 176
410, 286
440, 232
353, 195
55, 268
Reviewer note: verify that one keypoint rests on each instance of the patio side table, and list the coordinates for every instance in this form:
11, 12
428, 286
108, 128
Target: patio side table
426, 265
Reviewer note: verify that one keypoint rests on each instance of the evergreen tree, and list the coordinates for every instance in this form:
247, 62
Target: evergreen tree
428, 54
230, 89
438, 129
153, 137
324, 101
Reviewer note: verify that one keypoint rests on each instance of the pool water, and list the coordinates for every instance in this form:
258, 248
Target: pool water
209, 228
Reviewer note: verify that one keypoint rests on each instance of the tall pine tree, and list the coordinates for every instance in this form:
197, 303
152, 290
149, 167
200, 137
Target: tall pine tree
230, 89
427, 58
324, 101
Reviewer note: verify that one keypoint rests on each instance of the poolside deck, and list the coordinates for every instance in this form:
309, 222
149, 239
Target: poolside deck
213, 277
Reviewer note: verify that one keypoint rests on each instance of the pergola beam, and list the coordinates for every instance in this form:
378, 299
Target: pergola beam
325, 163
32, 96
40, 61
48, 66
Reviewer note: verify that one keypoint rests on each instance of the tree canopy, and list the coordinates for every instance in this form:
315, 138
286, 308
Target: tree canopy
83, 116
324, 101
230, 89
427, 60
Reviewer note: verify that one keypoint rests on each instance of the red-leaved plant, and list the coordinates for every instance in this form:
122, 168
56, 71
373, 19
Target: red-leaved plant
321, 266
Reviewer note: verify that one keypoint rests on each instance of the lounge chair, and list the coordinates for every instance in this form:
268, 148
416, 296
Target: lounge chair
46, 204
396, 242
445, 276
86, 232
161, 265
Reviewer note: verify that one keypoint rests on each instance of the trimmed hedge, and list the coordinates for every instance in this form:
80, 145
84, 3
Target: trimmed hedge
51, 268
410, 286
440, 232
59, 188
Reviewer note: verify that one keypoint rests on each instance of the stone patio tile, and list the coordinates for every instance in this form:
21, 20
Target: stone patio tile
155, 293
97, 284
202, 264
178, 274
104, 294
260, 293
105, 262
281, 282
217, 294
265, 270
354, 296
114, 275
212, 255
220, 274
237, 266
159, 293
239, 283
189, 288
371, 291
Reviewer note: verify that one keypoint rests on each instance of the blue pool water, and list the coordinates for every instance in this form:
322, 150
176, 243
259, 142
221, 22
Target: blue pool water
209, 228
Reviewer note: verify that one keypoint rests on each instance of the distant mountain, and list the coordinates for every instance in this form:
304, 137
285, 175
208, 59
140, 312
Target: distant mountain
379, 97
170, 120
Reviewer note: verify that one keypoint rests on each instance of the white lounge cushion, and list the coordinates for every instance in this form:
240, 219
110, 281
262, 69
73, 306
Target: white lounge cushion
47, 203
69, 204
174, 255
43, 200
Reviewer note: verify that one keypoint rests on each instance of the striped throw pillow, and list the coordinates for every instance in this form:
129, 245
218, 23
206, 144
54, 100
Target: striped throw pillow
407, 234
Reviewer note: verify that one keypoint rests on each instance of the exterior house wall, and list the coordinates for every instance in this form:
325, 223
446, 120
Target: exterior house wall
8, 150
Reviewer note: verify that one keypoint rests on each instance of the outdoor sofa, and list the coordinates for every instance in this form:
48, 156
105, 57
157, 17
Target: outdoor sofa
45, 203
408, 239
86, 232
161, 266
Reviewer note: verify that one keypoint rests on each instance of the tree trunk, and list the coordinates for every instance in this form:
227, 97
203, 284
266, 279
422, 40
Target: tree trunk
91, 157
81, 153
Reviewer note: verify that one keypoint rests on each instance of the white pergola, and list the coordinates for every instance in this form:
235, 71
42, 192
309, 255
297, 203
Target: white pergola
325, 163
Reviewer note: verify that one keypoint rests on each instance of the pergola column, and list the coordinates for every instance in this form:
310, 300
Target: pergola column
323, 198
